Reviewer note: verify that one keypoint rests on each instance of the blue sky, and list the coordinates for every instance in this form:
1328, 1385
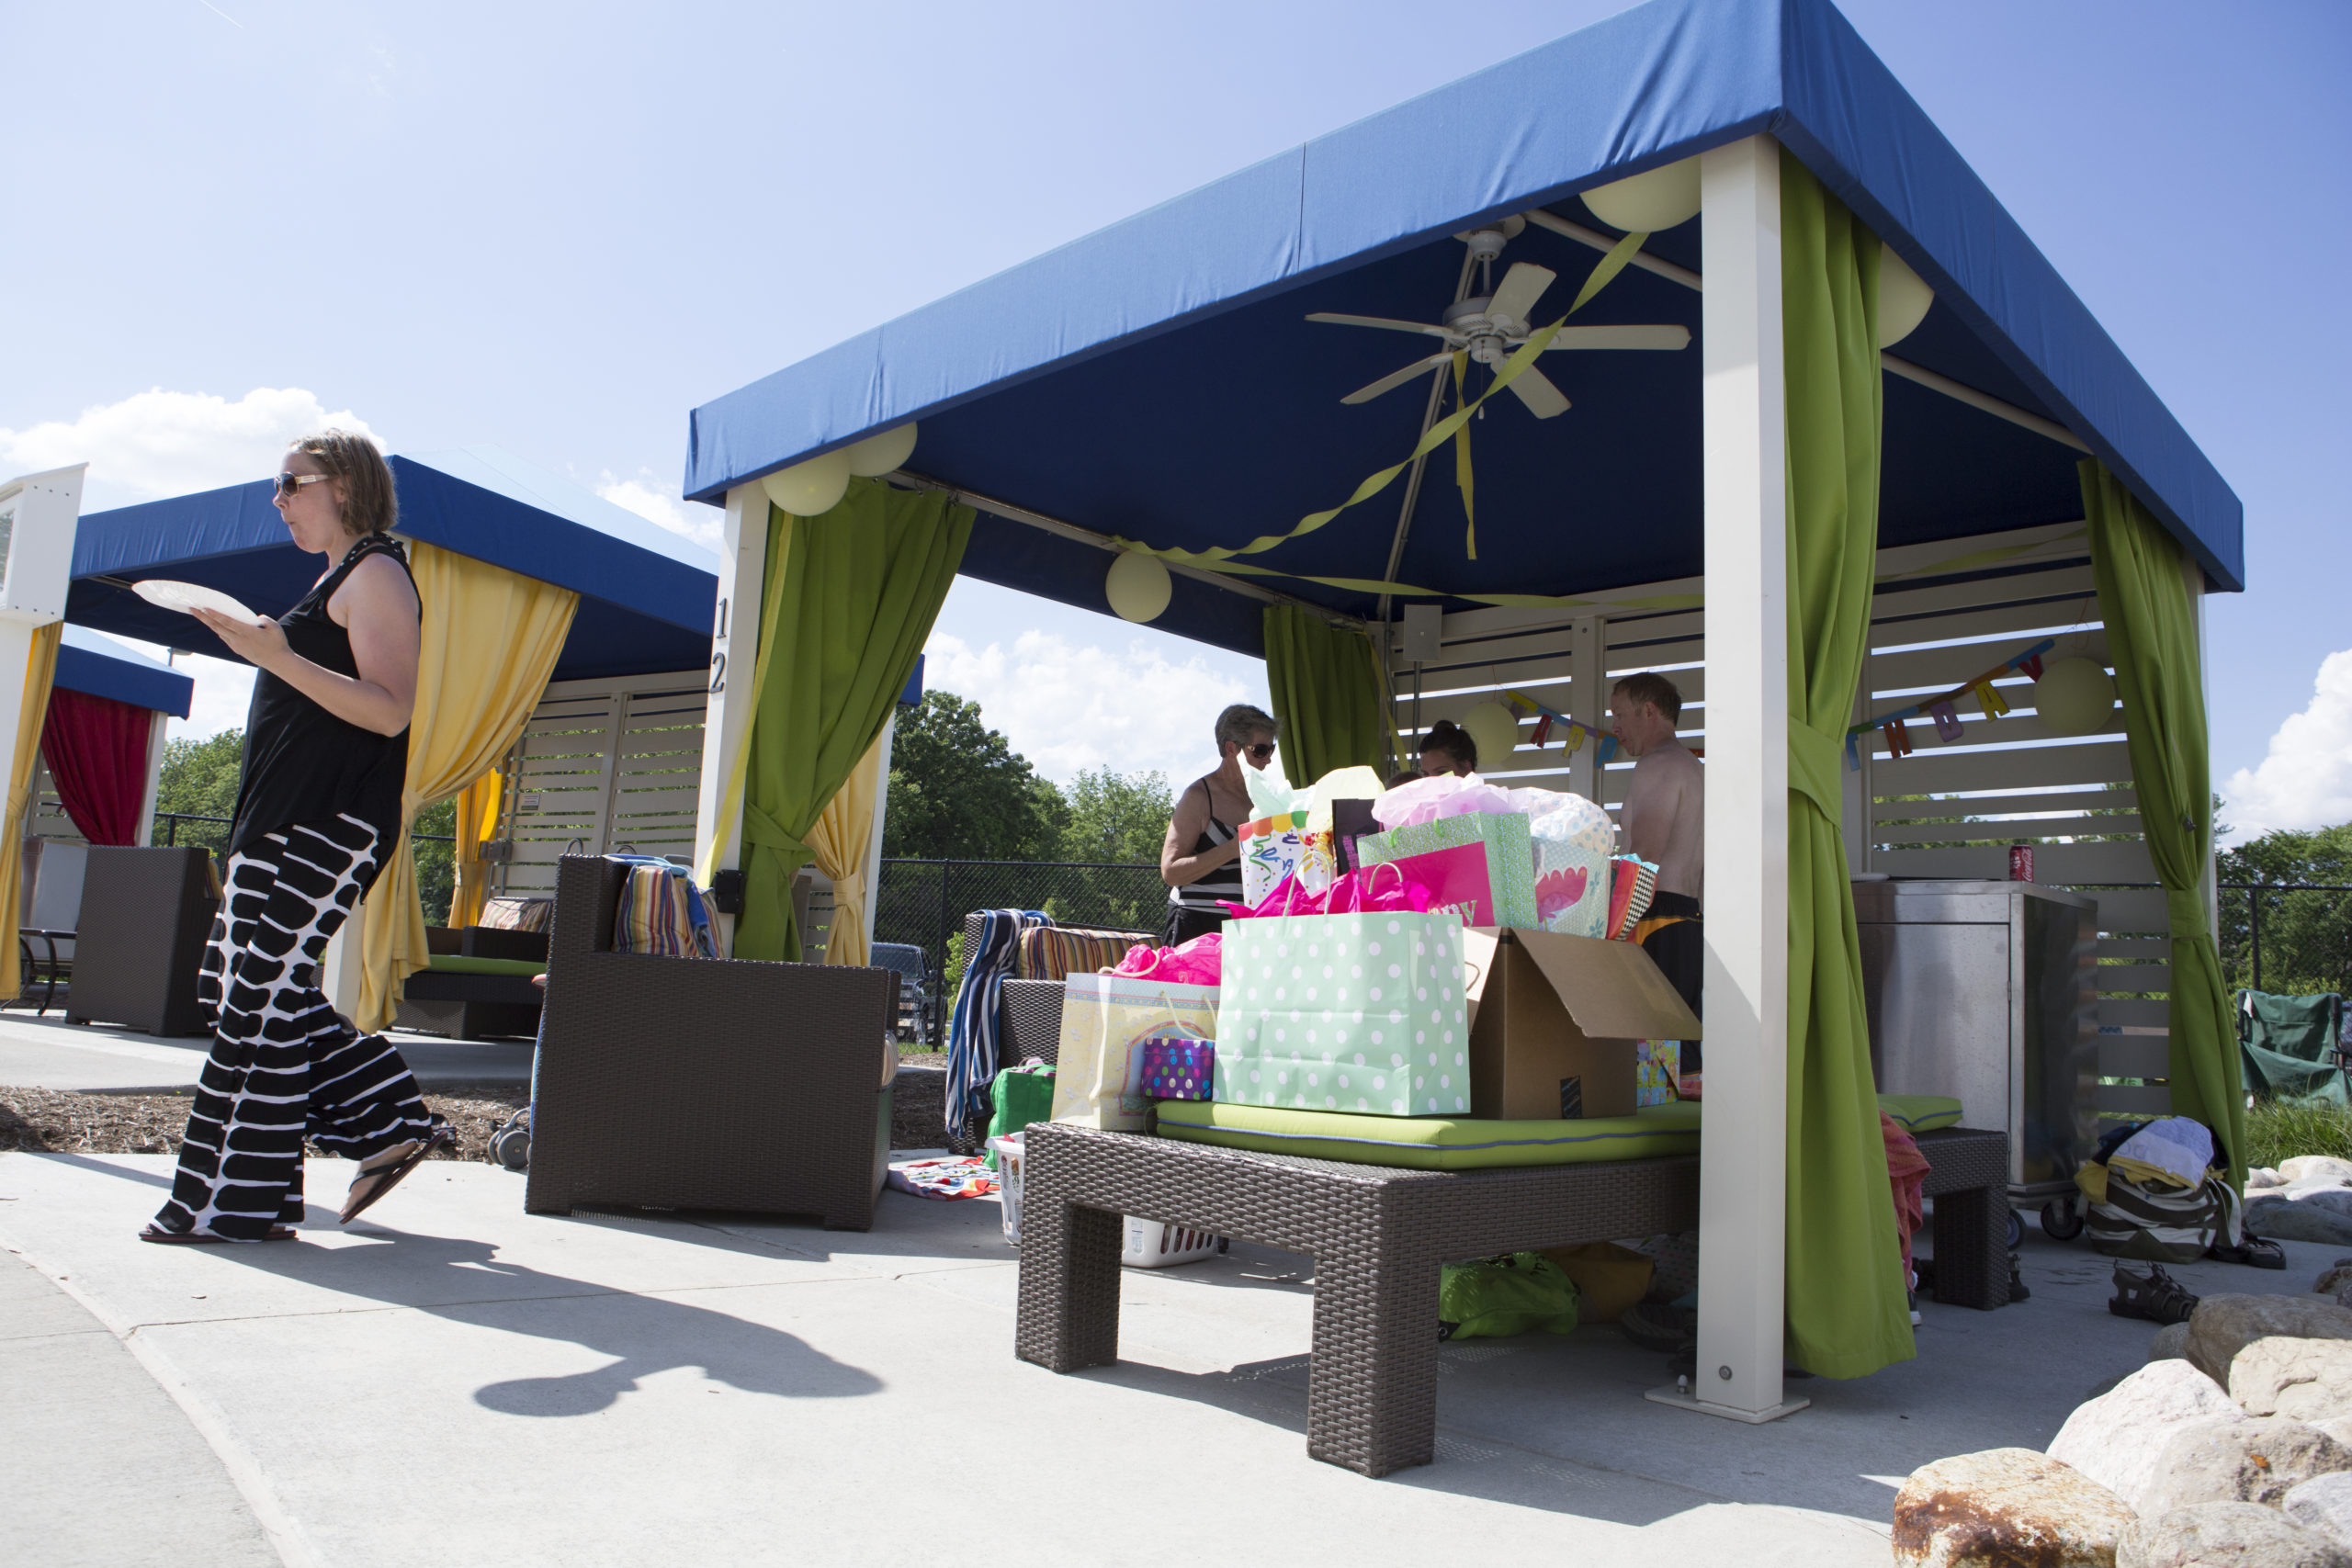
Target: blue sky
557, 227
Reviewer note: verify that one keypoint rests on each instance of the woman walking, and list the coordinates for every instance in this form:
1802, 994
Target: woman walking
318, 810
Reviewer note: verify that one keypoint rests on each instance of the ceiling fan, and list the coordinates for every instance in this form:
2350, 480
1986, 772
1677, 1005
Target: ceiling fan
1489, 327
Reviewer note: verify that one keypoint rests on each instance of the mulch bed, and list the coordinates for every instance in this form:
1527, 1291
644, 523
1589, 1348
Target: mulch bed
58, 1122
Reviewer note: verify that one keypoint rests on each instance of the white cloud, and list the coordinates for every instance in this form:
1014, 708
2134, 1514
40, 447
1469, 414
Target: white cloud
1068, 707
2306, 780
660, 504
157, 443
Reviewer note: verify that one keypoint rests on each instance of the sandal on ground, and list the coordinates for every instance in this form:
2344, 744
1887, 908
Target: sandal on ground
1658, 1326
2154, 1295
384, 1177
163, 1237
2254, 1251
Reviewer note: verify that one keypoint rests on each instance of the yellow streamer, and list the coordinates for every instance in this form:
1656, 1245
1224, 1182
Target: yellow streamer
1216, 555
1462, 476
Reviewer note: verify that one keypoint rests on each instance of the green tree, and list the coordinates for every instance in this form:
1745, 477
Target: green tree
2306, 937
1121, 817
199, 779
959, 792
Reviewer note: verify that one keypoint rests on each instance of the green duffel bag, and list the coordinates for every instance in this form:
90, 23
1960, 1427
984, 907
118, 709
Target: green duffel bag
1498, 1297
1018, 1096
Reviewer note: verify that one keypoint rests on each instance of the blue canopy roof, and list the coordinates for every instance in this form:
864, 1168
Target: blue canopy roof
646, 594
1157, 379
101, 667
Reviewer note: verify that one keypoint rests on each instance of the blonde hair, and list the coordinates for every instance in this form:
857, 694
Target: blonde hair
370, 505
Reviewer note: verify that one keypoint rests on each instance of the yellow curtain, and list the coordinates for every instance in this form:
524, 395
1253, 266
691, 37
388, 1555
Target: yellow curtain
477, 810
40, 664
842, 842
490, 637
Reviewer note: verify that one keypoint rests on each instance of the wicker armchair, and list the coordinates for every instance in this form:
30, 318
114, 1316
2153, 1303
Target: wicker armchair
696, 1083
146, 915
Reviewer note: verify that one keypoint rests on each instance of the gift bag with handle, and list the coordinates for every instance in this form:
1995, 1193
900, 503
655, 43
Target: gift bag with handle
1482, 864
1106, 1019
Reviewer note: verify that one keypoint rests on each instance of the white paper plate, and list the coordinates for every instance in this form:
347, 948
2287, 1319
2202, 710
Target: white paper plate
186, 596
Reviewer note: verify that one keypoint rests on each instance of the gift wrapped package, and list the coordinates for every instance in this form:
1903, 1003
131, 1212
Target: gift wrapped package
1176, 1066
1358, 1011
1481, 865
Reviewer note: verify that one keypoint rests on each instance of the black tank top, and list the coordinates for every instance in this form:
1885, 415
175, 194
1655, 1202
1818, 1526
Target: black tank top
1211, 893
302, 763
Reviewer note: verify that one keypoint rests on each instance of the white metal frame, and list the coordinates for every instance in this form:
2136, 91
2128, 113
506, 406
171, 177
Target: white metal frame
734, 650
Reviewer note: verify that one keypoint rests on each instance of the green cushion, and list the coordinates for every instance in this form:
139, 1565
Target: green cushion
1920, 1112
1433, 1142
454, 964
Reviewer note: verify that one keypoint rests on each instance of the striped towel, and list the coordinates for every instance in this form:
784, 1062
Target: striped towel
1056, 953
972, 1030
659, 912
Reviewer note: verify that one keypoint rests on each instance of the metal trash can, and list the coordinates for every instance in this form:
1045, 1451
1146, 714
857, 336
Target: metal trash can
1986, 992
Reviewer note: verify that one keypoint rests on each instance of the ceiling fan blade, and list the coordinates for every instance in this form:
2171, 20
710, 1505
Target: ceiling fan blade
1390, 383
1622, 337
1522, 285
1535, 390
1377, 321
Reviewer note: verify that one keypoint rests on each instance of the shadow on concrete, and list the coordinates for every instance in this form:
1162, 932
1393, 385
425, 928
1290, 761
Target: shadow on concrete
645, 1335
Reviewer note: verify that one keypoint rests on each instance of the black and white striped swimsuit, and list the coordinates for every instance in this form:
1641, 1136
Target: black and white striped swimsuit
1199, 906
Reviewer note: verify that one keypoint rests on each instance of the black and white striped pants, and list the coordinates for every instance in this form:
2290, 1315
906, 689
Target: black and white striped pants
284, 1063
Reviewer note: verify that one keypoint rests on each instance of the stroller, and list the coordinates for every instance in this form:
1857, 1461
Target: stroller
2294, 1047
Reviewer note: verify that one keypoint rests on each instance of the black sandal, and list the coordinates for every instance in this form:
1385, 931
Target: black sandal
2256, 1252
2156, 1296
388, 1177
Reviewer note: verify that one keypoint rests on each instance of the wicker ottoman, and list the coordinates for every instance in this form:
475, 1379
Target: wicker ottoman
1378, 1236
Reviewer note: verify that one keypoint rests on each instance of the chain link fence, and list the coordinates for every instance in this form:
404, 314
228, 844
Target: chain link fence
923, 904
435, 876
2293, 940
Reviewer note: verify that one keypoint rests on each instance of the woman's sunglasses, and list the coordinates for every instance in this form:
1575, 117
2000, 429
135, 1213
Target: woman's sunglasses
287, 484
1261, 752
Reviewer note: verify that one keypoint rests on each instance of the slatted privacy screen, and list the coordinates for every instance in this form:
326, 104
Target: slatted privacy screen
45, 818
1941, 614
604, 764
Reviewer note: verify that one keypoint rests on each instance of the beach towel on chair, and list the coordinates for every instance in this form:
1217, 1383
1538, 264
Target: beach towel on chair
972, 1030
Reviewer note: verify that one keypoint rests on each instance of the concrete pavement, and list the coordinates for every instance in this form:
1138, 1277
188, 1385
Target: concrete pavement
453, 1380
99, 1058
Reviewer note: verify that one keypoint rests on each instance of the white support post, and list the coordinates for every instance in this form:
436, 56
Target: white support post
734, 649
158, 722
881, 815
1743, 1139
1588, 700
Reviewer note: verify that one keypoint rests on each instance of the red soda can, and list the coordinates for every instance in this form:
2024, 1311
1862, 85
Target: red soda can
2020, 863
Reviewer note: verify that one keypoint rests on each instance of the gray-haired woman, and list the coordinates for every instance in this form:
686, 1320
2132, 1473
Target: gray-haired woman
1200, 859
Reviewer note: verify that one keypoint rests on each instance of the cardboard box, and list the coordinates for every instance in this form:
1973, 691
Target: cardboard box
1554, 1019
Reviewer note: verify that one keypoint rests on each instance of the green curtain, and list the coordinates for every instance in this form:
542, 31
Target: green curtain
2152, 637
847, 601
1327, 694
1847, 1315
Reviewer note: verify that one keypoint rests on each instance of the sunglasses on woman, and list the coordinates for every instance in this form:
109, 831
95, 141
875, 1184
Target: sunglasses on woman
1261, 752
287, 484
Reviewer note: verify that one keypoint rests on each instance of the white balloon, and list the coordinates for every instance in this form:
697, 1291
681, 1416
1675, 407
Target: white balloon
1903, 299
1657, 199
2075, 696
810, 489
877, 455
1137, 586
1494, 729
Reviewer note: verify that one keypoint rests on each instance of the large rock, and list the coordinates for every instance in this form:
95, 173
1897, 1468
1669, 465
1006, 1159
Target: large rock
2309, 1380
2253, 1461
2317, 1167
2224, 1325
2323, 1504
2318, 1210
2226, 1535
2171, 1344
2117, 1438
2006, 1507
2335, 1283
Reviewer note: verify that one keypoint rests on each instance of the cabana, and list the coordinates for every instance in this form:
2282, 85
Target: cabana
102, 741
561, 688
1823, 508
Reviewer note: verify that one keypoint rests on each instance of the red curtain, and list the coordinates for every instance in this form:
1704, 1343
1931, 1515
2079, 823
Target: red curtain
97, 749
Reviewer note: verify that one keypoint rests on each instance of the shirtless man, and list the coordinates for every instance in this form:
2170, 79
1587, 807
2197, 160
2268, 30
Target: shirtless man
1665, 822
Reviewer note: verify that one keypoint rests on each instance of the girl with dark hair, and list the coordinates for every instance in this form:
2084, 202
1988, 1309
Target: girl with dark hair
318, 810
1448, 749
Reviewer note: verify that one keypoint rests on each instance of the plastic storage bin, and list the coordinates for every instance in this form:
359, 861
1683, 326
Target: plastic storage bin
1145, 1244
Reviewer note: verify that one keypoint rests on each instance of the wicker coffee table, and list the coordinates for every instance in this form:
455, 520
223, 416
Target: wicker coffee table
1378, 1236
